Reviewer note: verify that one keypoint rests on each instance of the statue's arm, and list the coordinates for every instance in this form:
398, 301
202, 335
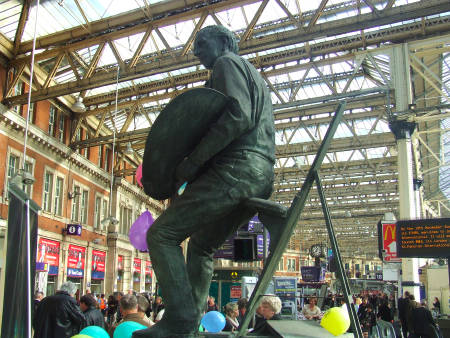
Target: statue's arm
237, 118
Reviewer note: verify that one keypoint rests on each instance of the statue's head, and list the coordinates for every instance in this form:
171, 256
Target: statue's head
212, 42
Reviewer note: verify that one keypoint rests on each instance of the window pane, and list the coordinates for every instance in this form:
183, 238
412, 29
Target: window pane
57, 207
51, 121
84, 201
61, 127
97, 213
76, 205
13, 165
48, 185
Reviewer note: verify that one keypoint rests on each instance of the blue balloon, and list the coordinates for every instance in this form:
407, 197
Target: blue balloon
213, 321
95, 332
126, 329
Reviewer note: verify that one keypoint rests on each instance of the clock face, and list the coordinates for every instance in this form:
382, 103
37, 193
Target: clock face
316, 250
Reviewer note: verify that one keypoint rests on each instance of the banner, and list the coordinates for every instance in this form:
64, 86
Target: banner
137, 265
148, 268
388, 242
120, 263
310, 273
98, 264
75, 261
48, 253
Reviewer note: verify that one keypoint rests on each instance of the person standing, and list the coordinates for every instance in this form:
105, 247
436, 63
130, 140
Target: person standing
111, 309
423, 323
242, 307
130, 313
58, 316
38, 296
93, 315
437, 305
231, 314
402, 305
212, 306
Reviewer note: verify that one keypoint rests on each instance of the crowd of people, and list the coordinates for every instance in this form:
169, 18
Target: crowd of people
62, 315
412, 318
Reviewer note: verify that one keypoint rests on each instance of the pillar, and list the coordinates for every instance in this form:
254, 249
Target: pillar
403, 130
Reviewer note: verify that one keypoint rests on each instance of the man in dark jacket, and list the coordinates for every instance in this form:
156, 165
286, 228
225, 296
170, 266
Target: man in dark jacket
232, 163
93, 315
423, 323
59, 316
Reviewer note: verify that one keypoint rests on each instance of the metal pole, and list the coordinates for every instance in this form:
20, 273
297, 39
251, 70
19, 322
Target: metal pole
293, 215
337, 255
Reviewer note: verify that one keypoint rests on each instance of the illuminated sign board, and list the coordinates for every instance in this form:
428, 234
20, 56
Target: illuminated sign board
387, 242
424, 238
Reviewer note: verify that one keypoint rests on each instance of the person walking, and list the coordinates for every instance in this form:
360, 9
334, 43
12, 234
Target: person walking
58, 316
93, 315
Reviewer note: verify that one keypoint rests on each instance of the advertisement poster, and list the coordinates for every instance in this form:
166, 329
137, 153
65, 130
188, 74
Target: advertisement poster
120, 263
48, 253
75, 261
235, 292
389, 242
98, 264
286, 288
148, 268
137, 265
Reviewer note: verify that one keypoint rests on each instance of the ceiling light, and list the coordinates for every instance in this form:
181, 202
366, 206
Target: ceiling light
78, 106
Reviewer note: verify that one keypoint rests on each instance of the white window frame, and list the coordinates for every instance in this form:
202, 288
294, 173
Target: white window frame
281, 264
291, 264
58, 200
51, 120
62, 119
47, 194
77, 207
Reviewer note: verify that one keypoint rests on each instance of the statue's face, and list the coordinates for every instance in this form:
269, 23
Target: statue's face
208, 49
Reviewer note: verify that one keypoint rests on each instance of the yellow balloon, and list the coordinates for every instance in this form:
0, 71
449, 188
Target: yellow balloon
336, 321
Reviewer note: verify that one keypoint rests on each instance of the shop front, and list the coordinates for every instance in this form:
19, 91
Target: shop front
120, 273
98, 272
148, 276
137, 275
47, 262
75, 265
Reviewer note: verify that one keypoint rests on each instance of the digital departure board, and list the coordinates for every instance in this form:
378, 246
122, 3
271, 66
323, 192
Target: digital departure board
427, 238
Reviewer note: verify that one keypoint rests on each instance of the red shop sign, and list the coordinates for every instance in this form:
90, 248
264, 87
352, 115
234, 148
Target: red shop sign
137, 265
48, 252
148, 268
76, 256
120, 263
98, 260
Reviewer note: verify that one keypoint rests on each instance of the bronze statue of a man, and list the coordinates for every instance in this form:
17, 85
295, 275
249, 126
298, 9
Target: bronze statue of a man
233, 162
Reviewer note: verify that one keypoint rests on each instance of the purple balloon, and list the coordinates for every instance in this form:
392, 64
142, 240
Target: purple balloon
138, 231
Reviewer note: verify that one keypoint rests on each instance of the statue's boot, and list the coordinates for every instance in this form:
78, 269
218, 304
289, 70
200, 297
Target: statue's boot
180, 316
200, 268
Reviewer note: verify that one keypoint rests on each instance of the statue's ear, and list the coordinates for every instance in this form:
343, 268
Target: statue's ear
225, 43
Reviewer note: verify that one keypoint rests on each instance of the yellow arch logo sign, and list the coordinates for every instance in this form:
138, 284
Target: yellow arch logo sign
386, 229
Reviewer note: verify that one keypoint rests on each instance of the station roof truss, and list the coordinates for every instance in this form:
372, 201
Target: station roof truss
312, 55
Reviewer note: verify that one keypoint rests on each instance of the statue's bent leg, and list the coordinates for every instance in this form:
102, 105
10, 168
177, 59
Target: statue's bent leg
202, 246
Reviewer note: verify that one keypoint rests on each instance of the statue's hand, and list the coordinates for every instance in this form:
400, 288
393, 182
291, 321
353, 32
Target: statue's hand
186, 171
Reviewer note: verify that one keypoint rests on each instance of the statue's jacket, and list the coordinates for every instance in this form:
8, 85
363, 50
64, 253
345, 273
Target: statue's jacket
246, 125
